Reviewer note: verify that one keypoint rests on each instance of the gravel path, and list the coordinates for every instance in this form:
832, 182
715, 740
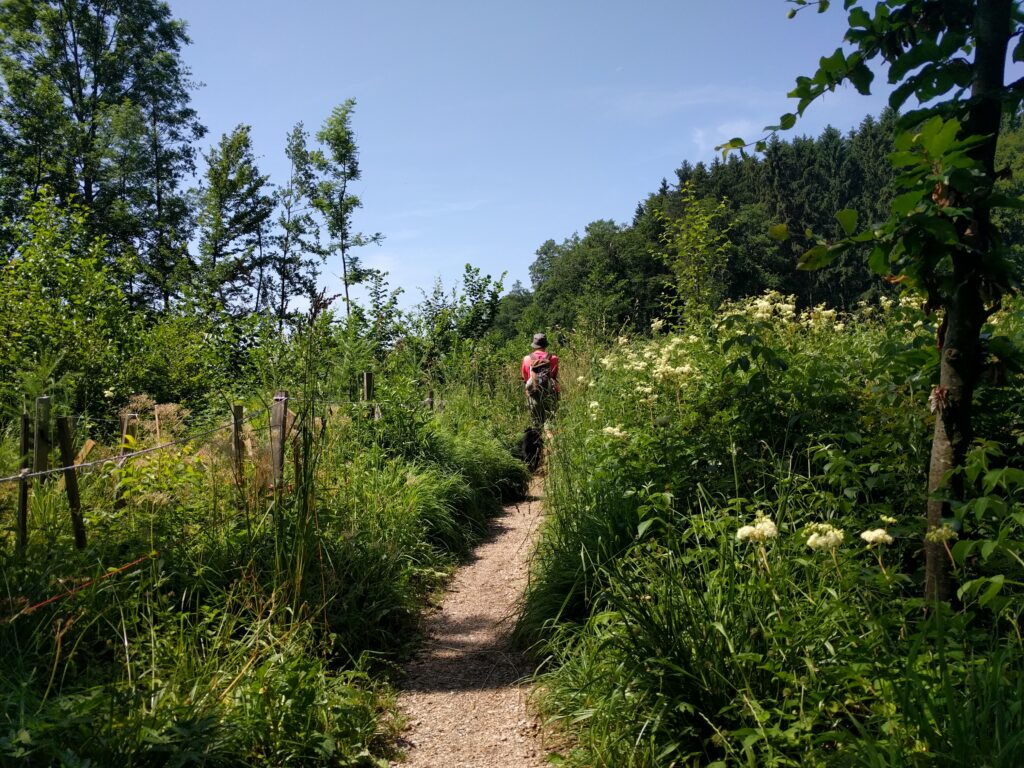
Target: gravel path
463, 699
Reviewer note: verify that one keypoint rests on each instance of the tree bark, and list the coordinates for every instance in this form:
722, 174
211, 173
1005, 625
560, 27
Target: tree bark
965, 313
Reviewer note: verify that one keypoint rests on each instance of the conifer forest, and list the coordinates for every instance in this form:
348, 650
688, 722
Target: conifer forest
783, 491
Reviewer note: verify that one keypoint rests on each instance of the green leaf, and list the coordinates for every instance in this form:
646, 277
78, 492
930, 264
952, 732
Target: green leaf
943, 139
847, 220
779, 233
903, 205
730, 145
815, 258
995, 584
987, 548
861, 77
859, 18
941, 229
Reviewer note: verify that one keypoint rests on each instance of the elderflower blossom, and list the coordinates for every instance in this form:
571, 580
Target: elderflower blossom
876, 536
657, 324
941, 534
615, 431
762, 530
824, 536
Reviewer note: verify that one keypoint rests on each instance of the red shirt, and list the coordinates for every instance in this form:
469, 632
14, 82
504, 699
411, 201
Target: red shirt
540, 354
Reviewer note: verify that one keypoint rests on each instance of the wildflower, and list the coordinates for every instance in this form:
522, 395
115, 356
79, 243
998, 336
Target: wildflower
888, 520
581, 379
615, 431
594, 405
876, 536
108, 393
762, 530
942, 534
692, 339
744, 533
824, 536
657, 324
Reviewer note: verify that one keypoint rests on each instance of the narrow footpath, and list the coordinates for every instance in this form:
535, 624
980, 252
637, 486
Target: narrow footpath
463, 698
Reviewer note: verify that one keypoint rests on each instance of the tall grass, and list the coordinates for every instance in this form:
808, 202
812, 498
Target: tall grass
217, 624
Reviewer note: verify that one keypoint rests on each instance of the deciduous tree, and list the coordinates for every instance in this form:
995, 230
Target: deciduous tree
941, 240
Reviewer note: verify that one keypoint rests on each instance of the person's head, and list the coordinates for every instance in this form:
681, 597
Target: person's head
540, 341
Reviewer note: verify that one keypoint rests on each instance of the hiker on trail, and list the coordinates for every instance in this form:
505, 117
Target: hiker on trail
540, 374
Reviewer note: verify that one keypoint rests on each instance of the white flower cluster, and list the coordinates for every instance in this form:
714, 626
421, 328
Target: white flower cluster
762, 530
824, 536
666, 366
615, 431
773, 304
820, 318
657, 324
876, 536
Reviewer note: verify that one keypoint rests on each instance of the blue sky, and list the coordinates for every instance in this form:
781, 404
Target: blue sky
486, 128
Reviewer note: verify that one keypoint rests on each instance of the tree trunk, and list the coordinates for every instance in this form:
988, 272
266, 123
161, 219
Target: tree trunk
965, 312
959, 368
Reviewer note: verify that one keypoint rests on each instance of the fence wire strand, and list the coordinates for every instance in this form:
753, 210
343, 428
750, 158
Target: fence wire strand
122, 458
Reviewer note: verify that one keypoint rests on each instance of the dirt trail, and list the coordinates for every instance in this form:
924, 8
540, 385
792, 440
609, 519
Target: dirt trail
463, 698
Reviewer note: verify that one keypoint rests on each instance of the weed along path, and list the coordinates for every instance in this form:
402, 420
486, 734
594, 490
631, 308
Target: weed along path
462, 697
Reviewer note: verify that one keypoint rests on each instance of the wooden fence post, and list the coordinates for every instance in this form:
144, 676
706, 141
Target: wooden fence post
41, 443
278, 422
368, 395
236, 443
23, 485
67, 458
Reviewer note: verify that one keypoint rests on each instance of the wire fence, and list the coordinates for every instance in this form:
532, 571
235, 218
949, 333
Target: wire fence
120, 459
36, 445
